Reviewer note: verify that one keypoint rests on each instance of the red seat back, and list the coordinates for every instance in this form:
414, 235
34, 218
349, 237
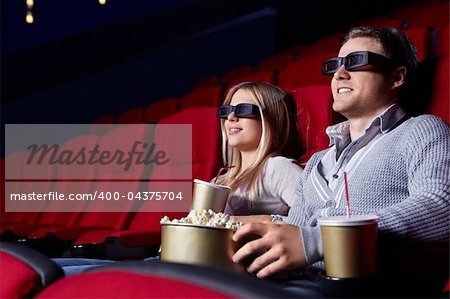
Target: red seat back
424, 41
236, 73
263, 76
207, 97
276, 62
327, 44
305, 71
24, 272
18, 279
440, 104
159, 109
67, 172
314, 112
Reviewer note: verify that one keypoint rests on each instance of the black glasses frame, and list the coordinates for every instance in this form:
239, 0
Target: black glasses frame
353, 61
240, 110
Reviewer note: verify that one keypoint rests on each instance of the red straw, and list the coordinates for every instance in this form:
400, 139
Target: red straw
347, 196
220, 171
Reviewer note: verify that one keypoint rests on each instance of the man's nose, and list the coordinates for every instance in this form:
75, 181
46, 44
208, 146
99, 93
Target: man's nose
341, 73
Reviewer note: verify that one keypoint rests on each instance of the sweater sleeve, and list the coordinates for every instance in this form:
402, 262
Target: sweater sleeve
424, 214
283, 175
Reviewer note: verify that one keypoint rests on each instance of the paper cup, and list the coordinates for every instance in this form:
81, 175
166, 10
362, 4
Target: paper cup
349, 245
208, 195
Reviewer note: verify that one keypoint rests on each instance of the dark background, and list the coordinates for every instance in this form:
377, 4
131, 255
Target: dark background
80, 60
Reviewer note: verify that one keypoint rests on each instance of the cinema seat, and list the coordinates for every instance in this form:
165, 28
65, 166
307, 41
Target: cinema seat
108, 178
303, 72
326, 44
142, 238
24, 272
236, 73
206, 81
162, 280
440, 104
314, 114
262, 76
276, 62
18, 168
425, 41
159, 109
202, 97
52, 217
432, 14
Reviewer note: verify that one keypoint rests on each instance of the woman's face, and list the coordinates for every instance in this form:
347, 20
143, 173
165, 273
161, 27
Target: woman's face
243, 133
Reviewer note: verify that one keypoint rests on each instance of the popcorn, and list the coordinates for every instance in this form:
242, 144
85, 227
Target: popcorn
205, 218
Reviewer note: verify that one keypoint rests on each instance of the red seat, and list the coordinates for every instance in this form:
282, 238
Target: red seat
132, 116
263, 76
53, 217
162, 280
305, 71
327, 44
111, 177
276, 62
202, 97
314, 114
14, 171
206, 81
159, 109
433, 14
24, 272
145, 230
440, 104
17, 166
235, 73
443, 41
424, 41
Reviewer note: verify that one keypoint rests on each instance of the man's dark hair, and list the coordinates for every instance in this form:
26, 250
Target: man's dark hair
396, 45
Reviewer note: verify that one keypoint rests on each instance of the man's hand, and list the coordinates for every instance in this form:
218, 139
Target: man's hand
281, 244
252, 218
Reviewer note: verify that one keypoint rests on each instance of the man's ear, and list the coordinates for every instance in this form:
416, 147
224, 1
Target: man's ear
398, 77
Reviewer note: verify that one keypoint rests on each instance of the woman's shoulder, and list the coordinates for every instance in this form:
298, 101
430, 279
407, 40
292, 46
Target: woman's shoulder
282, 162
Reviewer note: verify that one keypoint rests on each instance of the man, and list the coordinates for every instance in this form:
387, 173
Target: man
398, 167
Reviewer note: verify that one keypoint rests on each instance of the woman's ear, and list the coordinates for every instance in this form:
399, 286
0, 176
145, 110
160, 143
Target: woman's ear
398, 77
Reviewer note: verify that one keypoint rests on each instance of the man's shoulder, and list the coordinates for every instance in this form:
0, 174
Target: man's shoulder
426, 123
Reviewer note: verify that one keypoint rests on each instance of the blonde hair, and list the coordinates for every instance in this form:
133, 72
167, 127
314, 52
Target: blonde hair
280, 137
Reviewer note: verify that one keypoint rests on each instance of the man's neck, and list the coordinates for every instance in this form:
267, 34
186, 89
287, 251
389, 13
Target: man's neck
358, 125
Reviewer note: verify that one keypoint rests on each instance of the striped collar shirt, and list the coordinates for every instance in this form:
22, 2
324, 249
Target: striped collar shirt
344, 153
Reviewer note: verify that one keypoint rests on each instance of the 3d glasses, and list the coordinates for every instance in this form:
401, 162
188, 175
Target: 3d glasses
353, 61
240, 110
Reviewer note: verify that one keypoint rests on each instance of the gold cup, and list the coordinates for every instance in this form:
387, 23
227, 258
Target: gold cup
208, 195
198, 245
349, 245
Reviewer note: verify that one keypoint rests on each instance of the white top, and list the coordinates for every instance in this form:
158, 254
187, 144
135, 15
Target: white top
280, 178
354, 220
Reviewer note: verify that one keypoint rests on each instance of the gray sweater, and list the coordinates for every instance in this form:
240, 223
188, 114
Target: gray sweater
404, 178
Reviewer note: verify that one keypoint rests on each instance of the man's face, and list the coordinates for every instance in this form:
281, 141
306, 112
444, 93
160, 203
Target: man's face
363, 93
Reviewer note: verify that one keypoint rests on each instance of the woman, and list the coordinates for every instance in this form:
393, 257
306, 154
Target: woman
261, 140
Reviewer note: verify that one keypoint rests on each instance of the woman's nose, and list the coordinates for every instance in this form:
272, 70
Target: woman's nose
232, 116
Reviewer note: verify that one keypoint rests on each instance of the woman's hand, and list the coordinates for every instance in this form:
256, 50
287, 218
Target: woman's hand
281, 244
252, 218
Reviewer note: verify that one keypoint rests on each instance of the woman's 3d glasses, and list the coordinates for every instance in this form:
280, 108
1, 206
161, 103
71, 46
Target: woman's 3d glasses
353, 61
240, 110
